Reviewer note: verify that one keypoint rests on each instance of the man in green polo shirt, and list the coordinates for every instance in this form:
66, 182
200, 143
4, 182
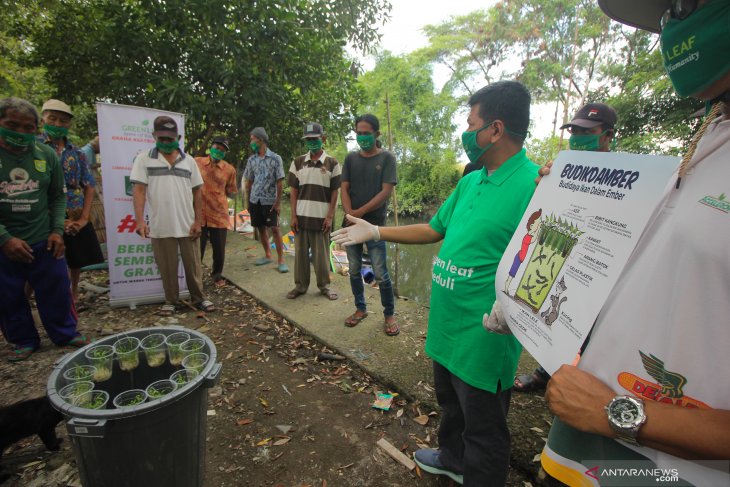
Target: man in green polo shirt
473, 369
32, 212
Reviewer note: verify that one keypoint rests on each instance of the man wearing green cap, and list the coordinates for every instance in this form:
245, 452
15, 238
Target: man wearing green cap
651, 390
82, 245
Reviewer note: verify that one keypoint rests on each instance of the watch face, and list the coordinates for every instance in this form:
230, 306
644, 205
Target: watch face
625, 413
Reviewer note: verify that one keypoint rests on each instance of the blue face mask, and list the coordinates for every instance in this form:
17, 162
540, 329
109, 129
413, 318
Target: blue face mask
471, 146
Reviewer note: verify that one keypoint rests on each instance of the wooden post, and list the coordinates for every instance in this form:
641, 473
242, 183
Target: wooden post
395, 199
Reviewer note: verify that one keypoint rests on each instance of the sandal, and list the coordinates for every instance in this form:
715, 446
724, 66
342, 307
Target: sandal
331, 295
21, 353
206, 306
263, 261
166, 310
391, 329
354, 319
294, 293
220, 283
529, 383
78, 341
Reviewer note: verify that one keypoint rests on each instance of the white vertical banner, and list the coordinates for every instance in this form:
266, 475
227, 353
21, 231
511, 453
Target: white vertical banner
124, 132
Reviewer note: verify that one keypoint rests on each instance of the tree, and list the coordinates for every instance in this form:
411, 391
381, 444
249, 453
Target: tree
228, 65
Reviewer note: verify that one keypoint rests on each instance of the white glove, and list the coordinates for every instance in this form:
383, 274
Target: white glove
360, 231
494, 322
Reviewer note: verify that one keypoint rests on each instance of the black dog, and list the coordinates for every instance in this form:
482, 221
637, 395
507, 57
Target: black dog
33, 417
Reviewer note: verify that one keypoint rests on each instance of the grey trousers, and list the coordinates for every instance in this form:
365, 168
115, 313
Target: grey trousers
165, 251
318, 242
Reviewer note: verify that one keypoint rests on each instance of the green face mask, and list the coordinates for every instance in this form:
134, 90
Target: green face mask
695, 50
255, 147
17, 139
313, 145
217, 154
366, 142
55, 132
471, 146
167, 147
589, 142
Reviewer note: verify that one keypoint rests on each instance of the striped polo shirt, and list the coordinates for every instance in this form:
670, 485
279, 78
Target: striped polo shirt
169, 192
315, 180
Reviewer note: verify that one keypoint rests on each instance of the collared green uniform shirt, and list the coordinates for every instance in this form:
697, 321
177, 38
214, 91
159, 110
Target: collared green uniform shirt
477, 222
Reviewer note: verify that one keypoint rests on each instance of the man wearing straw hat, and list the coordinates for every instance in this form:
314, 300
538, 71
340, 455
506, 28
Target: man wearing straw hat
651, 391
82, 245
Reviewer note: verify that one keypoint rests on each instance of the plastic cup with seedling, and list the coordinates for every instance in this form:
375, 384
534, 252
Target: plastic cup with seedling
154, 349
95, 399
132, 397
79, 373
194, 345
174, 343
77, 393
182, 377
101, 357
127, 350
195, 361
161, 388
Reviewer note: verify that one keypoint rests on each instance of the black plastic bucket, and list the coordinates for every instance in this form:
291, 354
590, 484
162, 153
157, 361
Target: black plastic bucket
157, 443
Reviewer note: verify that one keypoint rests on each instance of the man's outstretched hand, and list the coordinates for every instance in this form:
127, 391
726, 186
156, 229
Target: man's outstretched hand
358, 232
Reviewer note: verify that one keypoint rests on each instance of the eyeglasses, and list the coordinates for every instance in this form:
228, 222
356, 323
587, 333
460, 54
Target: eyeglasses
678, 9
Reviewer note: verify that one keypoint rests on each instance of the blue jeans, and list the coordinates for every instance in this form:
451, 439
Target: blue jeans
376, 251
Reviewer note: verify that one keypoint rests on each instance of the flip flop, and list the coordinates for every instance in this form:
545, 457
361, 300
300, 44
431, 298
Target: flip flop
331, 295
21, 353
78, 341
206, 306
529, 383
166, 310
283, 268
354, 319
294, 294
263, 261
392, 329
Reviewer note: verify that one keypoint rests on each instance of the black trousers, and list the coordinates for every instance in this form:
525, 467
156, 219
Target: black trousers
473, 436
217, 238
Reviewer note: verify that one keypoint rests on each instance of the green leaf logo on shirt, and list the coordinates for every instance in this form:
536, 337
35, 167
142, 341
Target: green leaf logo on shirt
40, 165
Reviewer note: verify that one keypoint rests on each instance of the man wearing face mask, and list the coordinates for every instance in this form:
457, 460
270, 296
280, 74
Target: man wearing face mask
314, 179
651, 385
170, 181
473, 369
264, 176
82, 245
219, 184
592, 129
32, 214
368, 178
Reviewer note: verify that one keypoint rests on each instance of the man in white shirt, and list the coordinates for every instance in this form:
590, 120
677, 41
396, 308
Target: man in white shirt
170, 180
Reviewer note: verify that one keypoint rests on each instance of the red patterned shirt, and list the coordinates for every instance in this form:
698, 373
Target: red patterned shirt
219, 180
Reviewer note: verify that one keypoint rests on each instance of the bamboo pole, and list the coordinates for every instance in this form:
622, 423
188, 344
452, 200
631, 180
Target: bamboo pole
395, 198
570, 79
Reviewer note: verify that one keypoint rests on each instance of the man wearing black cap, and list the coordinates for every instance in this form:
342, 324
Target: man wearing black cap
592, 129
314, 179
170, 181
651, 387
219, 184
264, 175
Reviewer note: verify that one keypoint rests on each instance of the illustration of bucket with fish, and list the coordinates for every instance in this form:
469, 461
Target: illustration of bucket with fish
555, 241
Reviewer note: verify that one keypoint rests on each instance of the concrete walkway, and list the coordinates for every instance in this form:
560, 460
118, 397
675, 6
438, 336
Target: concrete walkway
397, 362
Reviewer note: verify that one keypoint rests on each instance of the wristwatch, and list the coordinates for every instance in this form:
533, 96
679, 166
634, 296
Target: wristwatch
626, 416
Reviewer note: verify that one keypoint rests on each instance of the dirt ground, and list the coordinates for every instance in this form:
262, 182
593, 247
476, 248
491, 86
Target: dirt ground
281, 415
